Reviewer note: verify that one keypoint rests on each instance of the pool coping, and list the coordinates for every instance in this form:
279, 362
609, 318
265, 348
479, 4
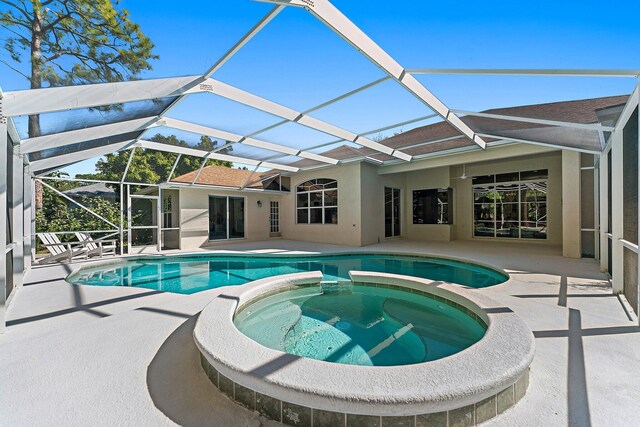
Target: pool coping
495, 364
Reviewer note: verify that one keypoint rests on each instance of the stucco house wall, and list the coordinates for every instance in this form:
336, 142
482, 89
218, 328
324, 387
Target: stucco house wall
194, 216
349, 227
373, 203
361, 203
422, 180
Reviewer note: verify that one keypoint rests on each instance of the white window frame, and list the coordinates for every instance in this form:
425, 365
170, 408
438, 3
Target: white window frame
495, 219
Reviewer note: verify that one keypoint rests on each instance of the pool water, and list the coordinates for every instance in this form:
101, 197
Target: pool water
188, 275
359, 325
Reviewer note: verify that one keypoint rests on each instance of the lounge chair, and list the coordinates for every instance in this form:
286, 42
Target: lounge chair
98, 247
59, 251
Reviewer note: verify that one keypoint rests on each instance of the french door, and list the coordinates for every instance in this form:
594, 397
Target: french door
274, 218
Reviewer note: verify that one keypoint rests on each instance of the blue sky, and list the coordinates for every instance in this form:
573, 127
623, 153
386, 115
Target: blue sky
300, 63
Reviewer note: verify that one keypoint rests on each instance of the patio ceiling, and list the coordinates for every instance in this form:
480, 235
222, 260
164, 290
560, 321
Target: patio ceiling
145, 106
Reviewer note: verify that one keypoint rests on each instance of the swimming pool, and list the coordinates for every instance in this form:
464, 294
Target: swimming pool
188, 275
360, 325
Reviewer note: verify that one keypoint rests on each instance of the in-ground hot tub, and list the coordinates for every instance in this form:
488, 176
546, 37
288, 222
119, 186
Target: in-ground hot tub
444, 354
360, 324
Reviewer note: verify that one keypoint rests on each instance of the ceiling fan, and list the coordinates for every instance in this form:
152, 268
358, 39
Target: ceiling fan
464, 173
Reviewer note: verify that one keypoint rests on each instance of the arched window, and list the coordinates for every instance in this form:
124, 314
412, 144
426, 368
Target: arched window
317, 201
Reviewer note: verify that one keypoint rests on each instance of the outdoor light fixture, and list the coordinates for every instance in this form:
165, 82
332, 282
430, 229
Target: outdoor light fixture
259, 203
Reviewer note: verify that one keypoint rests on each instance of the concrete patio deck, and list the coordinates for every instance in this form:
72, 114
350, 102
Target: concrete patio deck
88, 355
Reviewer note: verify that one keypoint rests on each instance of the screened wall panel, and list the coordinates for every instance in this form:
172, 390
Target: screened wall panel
587, 206
630, 207
69, 120
557, 135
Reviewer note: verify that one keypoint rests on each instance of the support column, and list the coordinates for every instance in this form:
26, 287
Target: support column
159, 219
26, 218
571, 236
617, 215
122, 219
3, 217
17, 218
604, 211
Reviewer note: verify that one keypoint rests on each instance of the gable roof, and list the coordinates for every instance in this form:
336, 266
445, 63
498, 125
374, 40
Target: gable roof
222, 176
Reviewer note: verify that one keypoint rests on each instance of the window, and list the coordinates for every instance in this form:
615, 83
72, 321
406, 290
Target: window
511, 205
226, 217
433, 206
317, 202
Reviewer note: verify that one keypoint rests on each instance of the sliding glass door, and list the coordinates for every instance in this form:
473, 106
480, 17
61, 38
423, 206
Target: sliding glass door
226, 217
391, 212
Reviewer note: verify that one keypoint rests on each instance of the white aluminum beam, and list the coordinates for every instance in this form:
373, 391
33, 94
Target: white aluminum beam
325, 104
244, 40
126, 169
36, 101
17, 213
80, 205
247, 181
72, 137
78, 156
382, 129
627, 111
341, 25
327, 144
526, 72
175, 165
228, 136
617, 211
216, 156
433, 141
4, 181
229, 54
542, 144
587, 126
13, 132
204, 163
254, 101
44, 142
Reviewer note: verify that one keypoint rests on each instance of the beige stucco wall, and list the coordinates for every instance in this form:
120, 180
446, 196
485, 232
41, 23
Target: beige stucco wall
423, 180
571, 247
361, 201
348, 229
194, 216
373, 206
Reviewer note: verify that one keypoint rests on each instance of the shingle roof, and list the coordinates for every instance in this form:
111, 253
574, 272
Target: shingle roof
92, 190
578, 111
224, 177
430, 138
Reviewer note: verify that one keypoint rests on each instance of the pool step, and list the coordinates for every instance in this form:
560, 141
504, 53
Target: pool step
335, 286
